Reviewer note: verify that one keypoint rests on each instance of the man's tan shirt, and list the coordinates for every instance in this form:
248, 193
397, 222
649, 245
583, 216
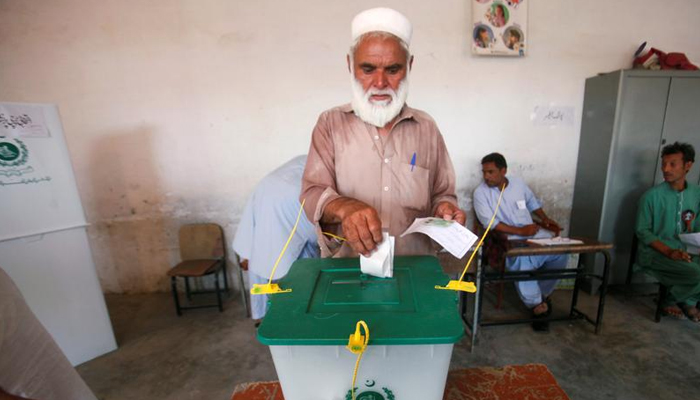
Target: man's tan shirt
348, 158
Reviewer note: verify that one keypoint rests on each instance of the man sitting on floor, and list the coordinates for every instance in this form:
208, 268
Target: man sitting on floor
665, 211
514, 220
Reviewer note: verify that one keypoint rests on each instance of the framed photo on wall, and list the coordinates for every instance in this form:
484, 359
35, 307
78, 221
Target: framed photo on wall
499, 27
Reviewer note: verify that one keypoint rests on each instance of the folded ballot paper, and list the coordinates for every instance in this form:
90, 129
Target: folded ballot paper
381, 261
691, 241
451, 235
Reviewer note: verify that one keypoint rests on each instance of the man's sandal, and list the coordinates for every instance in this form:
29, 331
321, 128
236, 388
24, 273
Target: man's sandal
541, 324
673, 312
693, 313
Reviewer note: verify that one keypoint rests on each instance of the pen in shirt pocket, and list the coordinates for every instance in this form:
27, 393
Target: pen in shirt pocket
413, 161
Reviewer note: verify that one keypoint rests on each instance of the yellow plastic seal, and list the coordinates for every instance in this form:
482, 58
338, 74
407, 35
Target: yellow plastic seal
267, 288
458, 285
273, 288
357, 344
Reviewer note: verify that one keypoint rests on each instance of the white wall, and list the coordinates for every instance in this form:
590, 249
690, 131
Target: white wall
174, 109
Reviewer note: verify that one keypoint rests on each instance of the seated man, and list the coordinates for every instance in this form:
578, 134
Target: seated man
514, 220
665, 211
265, 225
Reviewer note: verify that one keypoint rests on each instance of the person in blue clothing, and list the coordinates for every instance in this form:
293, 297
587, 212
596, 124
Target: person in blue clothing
267, 220
514, 219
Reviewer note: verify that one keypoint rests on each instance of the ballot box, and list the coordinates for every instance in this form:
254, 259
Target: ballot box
412, 329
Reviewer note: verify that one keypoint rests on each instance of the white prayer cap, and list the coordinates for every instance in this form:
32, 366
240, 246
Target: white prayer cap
384, 20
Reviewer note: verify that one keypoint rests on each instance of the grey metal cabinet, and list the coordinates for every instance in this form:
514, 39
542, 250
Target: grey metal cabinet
628, 116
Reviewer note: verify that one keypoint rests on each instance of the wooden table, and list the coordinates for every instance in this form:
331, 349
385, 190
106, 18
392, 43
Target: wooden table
524, 248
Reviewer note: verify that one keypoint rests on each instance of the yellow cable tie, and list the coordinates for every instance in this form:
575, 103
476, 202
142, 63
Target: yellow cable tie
334, 236
273, 288
357, 344
469, 286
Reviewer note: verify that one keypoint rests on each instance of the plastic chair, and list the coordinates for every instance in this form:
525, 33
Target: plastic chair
203, 253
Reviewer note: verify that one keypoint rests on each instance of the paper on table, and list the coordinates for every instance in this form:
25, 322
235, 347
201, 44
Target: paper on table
381, 262
692, 242
449, 234
555, 241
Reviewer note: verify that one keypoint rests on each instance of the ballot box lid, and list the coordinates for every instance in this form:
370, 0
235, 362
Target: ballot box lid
329, 296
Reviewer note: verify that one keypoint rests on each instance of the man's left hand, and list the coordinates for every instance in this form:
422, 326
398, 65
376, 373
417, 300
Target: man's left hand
550, 225
449, 212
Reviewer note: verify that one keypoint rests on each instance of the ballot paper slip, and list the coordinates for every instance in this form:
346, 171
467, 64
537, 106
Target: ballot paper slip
555, 241
691, 241
380, 262
451, 235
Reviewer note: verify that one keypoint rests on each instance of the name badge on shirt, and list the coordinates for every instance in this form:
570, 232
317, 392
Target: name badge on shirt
521, 204
688, 216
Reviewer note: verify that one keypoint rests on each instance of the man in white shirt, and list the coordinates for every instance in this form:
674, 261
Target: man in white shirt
514, 219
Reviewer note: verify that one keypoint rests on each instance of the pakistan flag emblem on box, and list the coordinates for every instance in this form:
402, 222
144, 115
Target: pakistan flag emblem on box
371, 393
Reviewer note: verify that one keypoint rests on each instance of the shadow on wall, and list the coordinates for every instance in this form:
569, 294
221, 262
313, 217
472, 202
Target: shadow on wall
135, 223
134, 243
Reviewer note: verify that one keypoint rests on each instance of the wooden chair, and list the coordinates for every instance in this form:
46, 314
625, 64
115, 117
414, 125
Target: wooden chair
493, 253
203, 253
663, 290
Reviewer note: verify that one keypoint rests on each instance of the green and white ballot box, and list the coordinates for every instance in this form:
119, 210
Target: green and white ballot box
412, 329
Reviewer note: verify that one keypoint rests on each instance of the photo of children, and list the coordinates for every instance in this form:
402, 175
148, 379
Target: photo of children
483, 36
499, 27
497, 15
513, 38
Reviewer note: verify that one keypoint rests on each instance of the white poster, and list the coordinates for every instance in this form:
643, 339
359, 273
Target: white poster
499, 27
22, 120
38, 193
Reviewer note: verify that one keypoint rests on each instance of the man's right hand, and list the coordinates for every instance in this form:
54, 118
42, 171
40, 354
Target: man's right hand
678, 255
362, 227
529, 230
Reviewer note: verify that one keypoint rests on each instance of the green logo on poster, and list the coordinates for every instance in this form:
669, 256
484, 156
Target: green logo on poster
13, 153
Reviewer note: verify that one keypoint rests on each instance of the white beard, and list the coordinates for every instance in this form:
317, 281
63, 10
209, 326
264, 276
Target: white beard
377, 113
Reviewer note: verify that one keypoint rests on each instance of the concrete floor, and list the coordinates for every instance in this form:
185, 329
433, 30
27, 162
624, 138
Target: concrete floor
204, 353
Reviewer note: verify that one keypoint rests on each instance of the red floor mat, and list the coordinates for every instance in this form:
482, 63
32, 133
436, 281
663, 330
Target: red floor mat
512, 382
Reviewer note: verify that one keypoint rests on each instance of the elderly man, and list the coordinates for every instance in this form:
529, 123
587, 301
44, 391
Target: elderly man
264, 228
376, 164
666, 211
514, 219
